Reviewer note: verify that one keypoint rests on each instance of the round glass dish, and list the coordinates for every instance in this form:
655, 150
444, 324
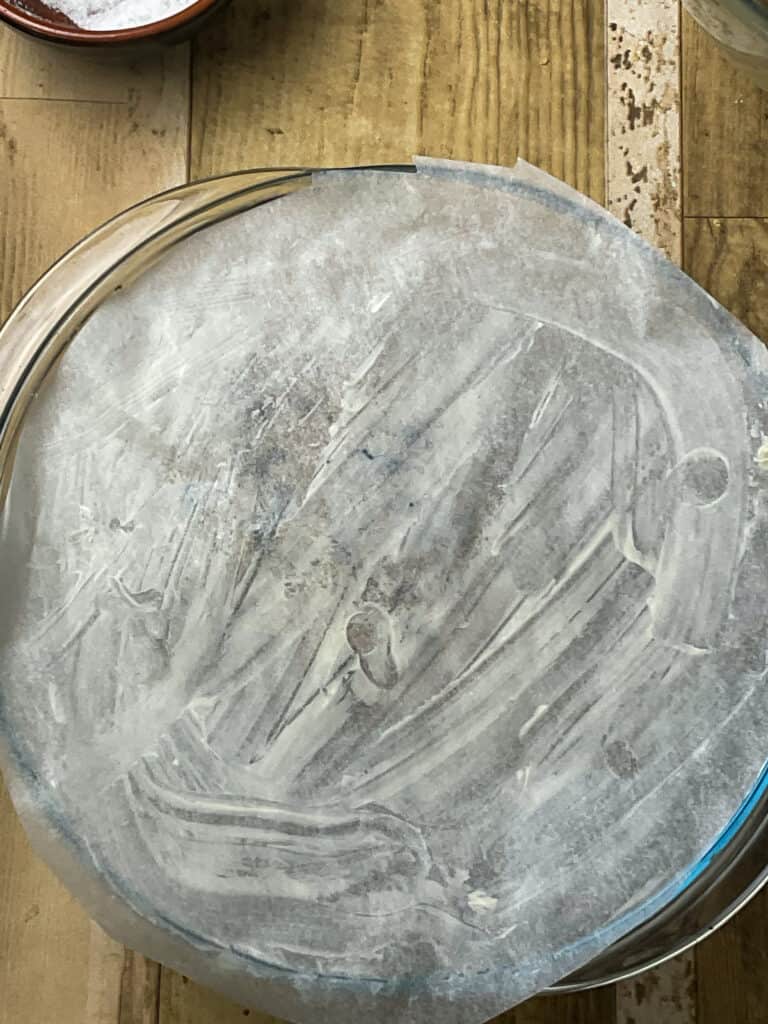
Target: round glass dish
51, 314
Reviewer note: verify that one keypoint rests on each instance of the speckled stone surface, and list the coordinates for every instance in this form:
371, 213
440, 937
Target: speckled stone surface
383, 626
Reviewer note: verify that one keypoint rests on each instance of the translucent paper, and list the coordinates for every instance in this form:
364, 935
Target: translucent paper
384, 595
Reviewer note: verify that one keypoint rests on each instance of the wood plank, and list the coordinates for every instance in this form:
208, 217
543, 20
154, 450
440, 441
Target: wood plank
31, 71
80, 140
123, 986
733, 969
725, 117
81, 137
643, 119
729, 257
105, 971
184, 1002
559, 69
597, 1006
139, 990
316, 82
666, 994
55, 964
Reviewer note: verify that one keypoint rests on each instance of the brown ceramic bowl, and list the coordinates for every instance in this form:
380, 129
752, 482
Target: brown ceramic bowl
36, 18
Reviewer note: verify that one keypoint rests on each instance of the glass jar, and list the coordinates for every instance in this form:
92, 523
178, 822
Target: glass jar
741, 29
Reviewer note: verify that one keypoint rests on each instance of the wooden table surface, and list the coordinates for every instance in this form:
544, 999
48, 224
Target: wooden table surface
630, 103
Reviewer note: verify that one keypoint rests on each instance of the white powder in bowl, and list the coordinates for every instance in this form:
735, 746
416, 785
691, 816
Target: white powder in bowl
111, 15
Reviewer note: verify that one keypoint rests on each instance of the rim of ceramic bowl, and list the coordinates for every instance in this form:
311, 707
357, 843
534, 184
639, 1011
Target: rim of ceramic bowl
40, 26
49, 316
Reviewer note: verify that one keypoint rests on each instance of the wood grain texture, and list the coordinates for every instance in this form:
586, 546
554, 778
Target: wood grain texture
139, 990
55, 964
559, 67
595, 1007
317, 82
733, 969
643, 119
725, 138
666, 994
81, 137
29, 71
184, 1002
123, 986
106, 960
729, 257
